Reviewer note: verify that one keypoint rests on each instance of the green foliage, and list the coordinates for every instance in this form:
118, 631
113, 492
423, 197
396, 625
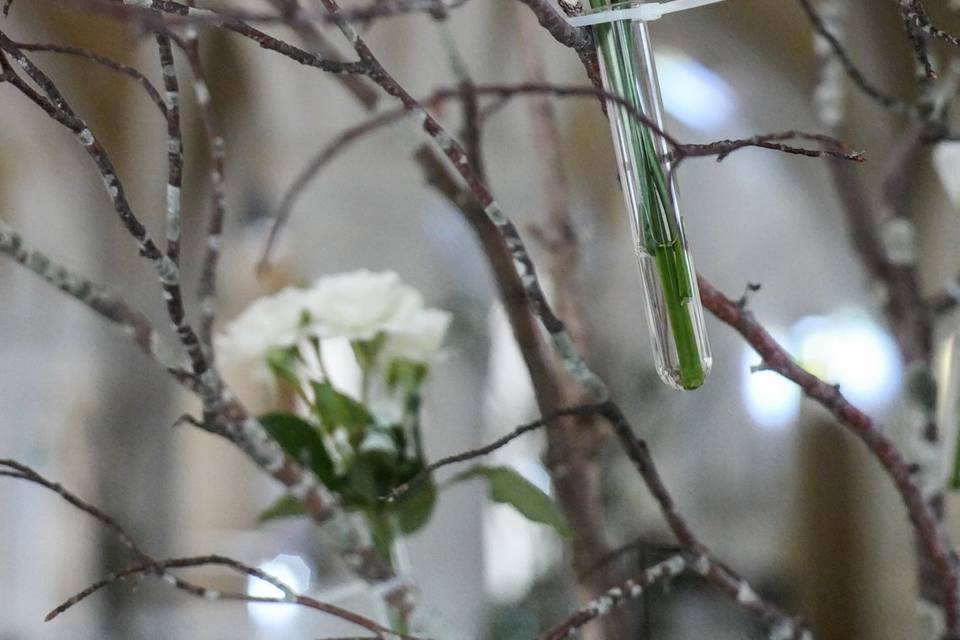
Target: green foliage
286, 506
335, 409
405, 375
283, 364
359, 459
301, 440
371, 476
414, 508
509, 487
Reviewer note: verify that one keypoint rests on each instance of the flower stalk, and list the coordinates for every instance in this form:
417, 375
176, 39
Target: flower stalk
674, 311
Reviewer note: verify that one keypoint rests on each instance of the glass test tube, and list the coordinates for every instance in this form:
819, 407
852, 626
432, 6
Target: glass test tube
674, 310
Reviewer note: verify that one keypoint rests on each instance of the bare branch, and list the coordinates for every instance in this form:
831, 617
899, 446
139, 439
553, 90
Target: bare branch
95, 296
174, 147
681, 151
103, 61
928, 529
616, 596
160, 568
299, 18
216, 146
184, 14
859, 79
914, 18
470, 454
151, 21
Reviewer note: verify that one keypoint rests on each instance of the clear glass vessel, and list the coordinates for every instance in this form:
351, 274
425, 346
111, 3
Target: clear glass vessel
674, 311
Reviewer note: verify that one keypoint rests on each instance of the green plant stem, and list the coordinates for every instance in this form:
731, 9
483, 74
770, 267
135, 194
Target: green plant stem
659, 227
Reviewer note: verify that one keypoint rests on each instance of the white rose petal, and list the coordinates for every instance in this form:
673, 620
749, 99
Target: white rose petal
274, 322
417, 337
339, 309
360, 304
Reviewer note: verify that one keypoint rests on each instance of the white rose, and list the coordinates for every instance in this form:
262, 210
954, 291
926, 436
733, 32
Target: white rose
416, 337
273, 322
360, 304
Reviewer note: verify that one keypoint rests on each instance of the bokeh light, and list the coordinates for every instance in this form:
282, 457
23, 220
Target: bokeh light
772, 401
850, 349
292, 571
692, 93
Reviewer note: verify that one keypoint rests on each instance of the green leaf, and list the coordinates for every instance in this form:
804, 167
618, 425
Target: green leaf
372, 474
509, 487
286, 506
406, 375
283, 364
302, 442
413, 508
339, 410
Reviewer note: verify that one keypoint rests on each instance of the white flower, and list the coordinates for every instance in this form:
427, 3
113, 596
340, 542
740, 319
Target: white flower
274, 322
360, 304
416, 337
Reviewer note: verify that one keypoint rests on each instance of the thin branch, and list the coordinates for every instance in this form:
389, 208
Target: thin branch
578, 39
722, 148
216, 147
914, 18
174, 147
637, 546
103, 302
299, 19
681, 151
57, 107
928, 529
470, 454
716, 573
617, 596
455, 153
313, 167
151, 21
103, 61
575, 446
13, 469
54, 104
916, 21
178, 16
23, 472
859, 79
26, 473
289, 595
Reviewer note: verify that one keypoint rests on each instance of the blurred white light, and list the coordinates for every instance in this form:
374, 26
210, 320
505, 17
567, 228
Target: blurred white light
772, 401
288, 569
851, 350
692, 93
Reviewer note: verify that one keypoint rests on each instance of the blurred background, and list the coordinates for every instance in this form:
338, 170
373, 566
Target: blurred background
777, 489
